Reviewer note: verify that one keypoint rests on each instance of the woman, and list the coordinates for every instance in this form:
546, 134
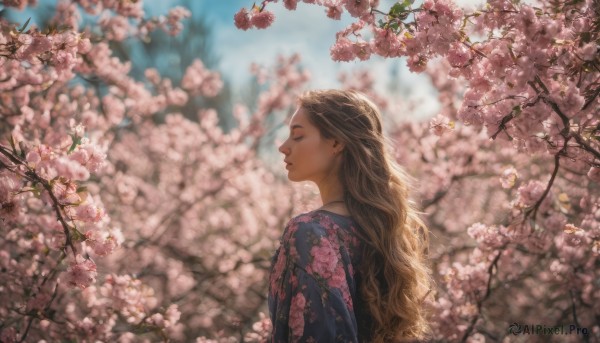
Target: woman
353, 270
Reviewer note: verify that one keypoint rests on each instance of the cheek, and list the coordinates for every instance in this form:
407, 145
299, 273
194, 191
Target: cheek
310, 153
318, 160
310, 156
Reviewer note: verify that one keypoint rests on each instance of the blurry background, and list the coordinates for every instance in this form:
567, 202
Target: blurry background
211, 36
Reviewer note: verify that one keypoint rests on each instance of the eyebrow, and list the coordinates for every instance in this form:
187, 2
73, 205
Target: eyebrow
296, 126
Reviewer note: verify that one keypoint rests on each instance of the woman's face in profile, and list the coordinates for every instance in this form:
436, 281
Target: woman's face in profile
309, 157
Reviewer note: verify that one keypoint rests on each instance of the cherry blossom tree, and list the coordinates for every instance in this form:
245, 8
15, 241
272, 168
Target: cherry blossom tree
517, 142
114, 226
55, 139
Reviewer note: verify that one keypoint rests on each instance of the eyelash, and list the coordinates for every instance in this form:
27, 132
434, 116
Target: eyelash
297, 139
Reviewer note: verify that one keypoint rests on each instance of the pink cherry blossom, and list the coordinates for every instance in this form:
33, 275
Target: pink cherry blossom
89, 211
386, 43
530, 193
261, 329
262, 19
417, 63
334, 12
174, 18
357, 8
594, 174
290, 4
115, 28
488, 236
440, 125
81, 272
103, 243
362, 50
9, 335
199, 80
64, 60
458, 55
343, 50
242, 19
509, 177
589, 52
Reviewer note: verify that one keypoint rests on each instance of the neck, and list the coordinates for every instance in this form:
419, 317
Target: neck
331, 192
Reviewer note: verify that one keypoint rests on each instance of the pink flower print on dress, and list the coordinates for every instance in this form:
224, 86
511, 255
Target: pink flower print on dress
278, 268
338, 279
325, 259
297, 315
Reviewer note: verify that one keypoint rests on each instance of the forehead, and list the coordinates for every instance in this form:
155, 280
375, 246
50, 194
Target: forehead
298, 120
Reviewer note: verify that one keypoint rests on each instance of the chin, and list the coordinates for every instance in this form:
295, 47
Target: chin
294, 178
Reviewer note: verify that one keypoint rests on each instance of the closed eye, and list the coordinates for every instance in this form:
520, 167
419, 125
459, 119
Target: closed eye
298, 138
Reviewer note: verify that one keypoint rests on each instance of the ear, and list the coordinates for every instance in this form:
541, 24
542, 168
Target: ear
338, 146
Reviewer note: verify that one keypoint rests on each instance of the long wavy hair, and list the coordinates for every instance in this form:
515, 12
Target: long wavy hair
395, 274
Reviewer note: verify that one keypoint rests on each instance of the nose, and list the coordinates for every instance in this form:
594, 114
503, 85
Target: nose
283, 149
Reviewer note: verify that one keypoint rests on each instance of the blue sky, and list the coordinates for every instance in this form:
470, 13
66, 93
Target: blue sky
309, 32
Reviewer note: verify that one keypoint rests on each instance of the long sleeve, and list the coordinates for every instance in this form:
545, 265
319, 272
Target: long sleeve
311, 286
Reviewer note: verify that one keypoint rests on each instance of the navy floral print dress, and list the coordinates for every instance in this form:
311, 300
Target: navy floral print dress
313, 284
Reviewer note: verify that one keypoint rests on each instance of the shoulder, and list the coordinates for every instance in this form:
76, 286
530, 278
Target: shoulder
304, 233
310, 224
316, 248
302, 226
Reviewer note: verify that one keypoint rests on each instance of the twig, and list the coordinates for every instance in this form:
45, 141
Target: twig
32, 176
511, 115
585, 145
487, 294
550, 183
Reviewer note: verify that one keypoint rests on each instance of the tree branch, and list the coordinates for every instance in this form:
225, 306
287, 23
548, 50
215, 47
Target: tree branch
34, 177
487, 293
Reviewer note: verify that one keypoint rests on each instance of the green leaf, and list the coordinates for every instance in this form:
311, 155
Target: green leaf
77, 236
400, 7
24, 25
396, 9
516, 110
37, 190
23, 150
76, 142
12, 144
